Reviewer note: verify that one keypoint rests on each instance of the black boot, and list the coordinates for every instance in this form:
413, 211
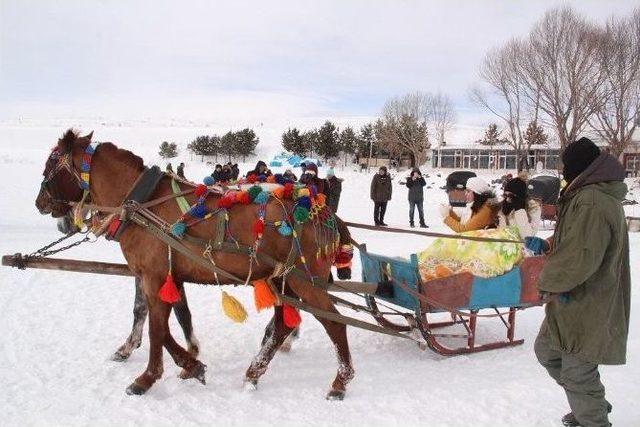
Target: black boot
411, 224
569, 420
423, 225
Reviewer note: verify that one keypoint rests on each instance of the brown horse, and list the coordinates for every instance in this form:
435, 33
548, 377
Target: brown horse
113, 173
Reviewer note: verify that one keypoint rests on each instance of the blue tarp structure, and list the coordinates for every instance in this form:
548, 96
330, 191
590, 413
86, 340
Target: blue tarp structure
286, 159
310, 160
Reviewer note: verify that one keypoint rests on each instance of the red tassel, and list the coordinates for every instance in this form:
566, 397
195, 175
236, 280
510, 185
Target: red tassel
244, 198
200, 190
169, 291
291, 316
258, 227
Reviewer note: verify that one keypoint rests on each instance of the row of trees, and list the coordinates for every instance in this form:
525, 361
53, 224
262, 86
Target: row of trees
229, 146
403, 129
568, 75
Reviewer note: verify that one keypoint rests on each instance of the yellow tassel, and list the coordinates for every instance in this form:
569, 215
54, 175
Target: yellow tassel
233, 308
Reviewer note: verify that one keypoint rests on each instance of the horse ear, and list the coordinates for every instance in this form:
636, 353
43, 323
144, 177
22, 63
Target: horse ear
65, 144
89, 136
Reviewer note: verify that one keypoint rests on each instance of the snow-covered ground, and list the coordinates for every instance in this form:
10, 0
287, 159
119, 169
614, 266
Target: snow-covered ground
59, 329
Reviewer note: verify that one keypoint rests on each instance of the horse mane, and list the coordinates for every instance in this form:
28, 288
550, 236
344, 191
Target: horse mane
123, 155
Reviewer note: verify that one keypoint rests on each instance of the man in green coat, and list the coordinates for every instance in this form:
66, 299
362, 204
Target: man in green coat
587, 276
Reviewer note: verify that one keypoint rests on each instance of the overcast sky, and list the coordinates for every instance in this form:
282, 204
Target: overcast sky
249, 59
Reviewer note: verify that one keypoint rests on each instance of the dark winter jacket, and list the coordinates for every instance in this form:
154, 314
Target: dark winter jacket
257, 170
180, 171
291, 176
416, 186
589, 263
334, 189
381, 188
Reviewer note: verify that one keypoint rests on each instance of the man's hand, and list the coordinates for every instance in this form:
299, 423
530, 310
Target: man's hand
536, 245
444, 210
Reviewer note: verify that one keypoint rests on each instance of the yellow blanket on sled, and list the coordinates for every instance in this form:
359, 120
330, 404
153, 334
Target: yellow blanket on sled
445, 257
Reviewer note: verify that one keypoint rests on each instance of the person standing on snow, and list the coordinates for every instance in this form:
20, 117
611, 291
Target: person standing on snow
180, 170
334, 189
586, 322
415, 183
380, 194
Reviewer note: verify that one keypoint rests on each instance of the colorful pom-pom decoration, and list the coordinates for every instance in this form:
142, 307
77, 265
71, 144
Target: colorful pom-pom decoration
301, 214
200, 190
254, 191
251, 179
233, 308
278, 193
178, 229
285, 229
243, 198
288, 190
208, 180
262, 295
225, 202
169, 291
302, 192
304, 202
291, 316
313, 190
261, 198
198, 211
262, 178
321, 199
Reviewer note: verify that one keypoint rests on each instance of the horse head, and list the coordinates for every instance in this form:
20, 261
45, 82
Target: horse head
61, 176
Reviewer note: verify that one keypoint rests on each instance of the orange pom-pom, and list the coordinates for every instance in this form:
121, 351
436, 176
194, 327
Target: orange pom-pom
321, 199
271, 179
278, 193
291, 316
226, 202
169, 291
262, 295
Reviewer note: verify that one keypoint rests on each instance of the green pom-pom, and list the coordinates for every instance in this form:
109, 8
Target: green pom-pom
254, 191
301, 214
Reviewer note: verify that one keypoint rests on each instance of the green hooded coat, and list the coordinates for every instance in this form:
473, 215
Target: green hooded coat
589, 264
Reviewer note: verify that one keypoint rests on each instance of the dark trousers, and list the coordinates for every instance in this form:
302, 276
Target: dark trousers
412, 208
580, 381
379, 209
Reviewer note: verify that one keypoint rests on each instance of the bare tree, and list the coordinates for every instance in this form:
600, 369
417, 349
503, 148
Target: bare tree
441, 115
404, 126
616, 119
560, 71
506, 96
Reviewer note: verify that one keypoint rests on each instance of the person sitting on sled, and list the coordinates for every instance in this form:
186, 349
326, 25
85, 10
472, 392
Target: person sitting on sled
518, 209
482, 212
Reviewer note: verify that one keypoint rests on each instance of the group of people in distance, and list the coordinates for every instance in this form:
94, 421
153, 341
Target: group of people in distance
484, 209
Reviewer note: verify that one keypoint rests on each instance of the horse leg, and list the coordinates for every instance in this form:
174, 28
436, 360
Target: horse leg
140, 311
158, 320
337, 333
270, 343
183, 314
269, 330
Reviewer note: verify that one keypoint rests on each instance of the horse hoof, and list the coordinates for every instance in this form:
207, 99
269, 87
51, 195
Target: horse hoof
136, 390
250, 384
197, 372
335, 395
119, 357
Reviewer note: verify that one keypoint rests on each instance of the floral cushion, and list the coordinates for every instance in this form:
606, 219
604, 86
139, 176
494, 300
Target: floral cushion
445, 257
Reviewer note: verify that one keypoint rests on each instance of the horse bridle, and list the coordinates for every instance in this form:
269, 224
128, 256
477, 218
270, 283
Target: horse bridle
65, 161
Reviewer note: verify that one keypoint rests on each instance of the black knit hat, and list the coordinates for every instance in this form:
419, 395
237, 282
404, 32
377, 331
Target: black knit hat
516, 186
577, 157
